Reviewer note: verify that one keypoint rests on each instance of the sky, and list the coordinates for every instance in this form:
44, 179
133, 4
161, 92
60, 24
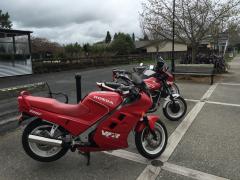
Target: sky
67, 21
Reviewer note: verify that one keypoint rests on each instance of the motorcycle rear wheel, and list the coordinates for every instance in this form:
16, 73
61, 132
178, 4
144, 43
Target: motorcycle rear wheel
150, 146
40, 152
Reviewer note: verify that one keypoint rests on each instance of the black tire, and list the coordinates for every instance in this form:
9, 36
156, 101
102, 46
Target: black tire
139, 144
171, 117
25, 143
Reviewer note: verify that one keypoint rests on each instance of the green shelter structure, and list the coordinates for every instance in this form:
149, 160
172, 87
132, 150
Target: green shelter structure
15, 52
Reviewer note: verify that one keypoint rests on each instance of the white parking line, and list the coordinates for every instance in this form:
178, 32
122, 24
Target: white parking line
192, 100
189, 172
129, 156
221, 103
151, 172
231, 84
180, 131
209, 92
214, 102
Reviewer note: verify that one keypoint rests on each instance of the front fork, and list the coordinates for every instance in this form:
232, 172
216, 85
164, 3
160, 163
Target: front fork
171, 96
147, 121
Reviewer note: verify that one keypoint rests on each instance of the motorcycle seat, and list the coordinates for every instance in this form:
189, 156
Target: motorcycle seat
119, 71
52, 105
113, 85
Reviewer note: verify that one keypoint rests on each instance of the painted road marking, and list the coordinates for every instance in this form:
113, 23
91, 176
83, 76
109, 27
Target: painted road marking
221, 103
129, 156
151, 172
190, 172
214, 102
23, 86
192, 100
209, 92
231, 84
180, 131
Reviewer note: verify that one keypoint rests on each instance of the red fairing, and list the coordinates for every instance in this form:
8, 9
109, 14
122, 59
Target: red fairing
153, 83
125, 119
110, 134
75, 118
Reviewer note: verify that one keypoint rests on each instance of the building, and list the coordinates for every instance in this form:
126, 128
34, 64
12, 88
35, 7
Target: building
155, 46
162, 47
218, 44
15, 52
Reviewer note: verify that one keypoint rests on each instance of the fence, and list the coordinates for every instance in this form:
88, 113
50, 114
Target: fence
60, 64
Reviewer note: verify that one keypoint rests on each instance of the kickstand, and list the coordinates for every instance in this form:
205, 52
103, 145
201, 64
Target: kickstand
87, 155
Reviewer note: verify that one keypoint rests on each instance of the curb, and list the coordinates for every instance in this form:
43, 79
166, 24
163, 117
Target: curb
12, 92
7, 121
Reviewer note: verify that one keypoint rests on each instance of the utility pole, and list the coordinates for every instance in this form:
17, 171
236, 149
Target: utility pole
173, 36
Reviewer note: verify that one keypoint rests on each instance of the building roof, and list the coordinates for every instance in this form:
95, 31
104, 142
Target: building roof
13, 32
143, 44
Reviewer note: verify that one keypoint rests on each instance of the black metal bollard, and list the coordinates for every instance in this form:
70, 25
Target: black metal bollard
78, 78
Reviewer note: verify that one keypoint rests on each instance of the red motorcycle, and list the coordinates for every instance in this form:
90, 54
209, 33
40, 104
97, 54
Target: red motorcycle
161, 85
101, 121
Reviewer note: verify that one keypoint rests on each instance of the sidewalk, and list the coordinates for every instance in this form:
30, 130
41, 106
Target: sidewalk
234, 71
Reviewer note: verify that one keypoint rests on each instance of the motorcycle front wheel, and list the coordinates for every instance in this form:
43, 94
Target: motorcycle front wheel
175, 112
42, 152
152, 144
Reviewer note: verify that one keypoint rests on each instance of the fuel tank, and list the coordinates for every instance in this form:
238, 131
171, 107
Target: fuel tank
153, 83
102, 99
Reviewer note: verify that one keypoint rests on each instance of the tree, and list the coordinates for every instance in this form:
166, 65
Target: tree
42, 47
234, 34
108, 37
145, 37
73, 49
115, 36
5, 22
133, 37
122, 44
194, 19
86, 48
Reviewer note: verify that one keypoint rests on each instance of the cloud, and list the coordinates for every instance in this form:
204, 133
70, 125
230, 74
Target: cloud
74, 20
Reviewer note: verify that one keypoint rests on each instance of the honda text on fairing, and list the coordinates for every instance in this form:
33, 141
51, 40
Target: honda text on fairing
101, 121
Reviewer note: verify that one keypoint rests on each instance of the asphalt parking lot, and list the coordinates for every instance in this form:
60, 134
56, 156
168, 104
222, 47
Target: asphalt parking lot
205, 144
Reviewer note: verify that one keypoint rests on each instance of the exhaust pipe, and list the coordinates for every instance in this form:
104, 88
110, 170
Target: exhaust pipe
43, 140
